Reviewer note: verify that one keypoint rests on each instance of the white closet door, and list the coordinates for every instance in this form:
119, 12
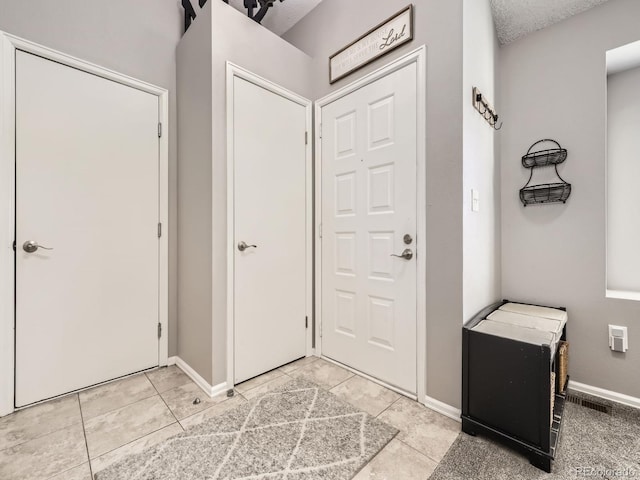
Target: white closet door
270, 212
87, 188
368, 207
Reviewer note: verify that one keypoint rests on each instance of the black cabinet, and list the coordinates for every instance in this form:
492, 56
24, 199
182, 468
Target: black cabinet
510, 391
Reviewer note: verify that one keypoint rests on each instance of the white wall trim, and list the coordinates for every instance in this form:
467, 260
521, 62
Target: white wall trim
212, 391
622, 295
163, 214
419, 57
8, 46
237, 71
606, 394
443, 408
7, 216
172, 361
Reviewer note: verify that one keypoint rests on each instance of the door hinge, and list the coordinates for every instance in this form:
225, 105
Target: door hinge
159, 230
306, 322
306, 138
159, 330
159, 130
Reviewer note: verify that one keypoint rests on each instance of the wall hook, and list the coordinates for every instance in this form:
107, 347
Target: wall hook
485, 109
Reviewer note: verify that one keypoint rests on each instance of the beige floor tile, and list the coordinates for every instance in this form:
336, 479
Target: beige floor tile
180, 400
119, 427
34, 422
257, 381
421, 428
397, 461
266, 387
137, 446
323, 373
81, 472
45, 456
290, 367
214, 411
115, 395
365, 394
166, 378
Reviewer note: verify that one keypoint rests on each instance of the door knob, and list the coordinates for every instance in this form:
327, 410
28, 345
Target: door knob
242, 246
407, 254
31, 246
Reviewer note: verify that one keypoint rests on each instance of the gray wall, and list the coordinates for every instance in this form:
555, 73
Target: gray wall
194, 196
137, 38
334, 24
481, 252
202, 58
553, 85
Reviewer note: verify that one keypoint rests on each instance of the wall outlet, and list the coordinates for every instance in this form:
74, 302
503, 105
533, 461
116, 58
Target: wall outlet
618, 338
475, 200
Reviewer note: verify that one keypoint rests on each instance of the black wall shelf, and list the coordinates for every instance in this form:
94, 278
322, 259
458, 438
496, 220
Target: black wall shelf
557, 192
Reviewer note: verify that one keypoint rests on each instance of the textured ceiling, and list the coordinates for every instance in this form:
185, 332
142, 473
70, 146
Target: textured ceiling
517, 18
283, 15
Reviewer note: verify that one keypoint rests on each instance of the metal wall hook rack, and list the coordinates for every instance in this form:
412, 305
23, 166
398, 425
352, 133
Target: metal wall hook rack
485, 109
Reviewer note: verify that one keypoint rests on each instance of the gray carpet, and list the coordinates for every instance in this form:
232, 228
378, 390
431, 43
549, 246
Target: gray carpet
592, 445
298, 432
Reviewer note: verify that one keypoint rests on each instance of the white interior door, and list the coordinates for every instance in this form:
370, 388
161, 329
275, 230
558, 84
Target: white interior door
368, 207
270, 212
87, 186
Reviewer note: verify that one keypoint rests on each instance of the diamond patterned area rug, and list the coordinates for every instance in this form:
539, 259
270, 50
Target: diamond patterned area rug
297, 432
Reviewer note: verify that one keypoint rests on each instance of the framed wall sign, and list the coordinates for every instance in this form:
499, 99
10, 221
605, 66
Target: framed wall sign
378, 41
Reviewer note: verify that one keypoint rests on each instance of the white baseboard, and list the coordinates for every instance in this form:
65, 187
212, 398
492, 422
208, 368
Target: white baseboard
212, 391
171, 361
606, 394
443, 408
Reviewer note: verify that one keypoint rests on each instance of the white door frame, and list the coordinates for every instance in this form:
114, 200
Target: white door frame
237, 71
417, 56
8, 46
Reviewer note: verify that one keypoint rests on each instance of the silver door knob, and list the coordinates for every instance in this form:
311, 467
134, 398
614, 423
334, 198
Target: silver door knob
31, 246
242, 246
407, 254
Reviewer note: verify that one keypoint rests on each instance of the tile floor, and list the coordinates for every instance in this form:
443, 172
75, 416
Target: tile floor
73, 437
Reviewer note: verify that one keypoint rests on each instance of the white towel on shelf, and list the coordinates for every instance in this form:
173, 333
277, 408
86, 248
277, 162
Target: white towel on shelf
515, 332
535, 311
528, 321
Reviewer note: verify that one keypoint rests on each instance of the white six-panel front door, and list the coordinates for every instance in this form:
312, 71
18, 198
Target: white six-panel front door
368, 215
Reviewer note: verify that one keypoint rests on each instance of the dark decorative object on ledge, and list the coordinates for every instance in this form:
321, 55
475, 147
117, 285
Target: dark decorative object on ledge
481, 104
557, 192
250, 5
189, 12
